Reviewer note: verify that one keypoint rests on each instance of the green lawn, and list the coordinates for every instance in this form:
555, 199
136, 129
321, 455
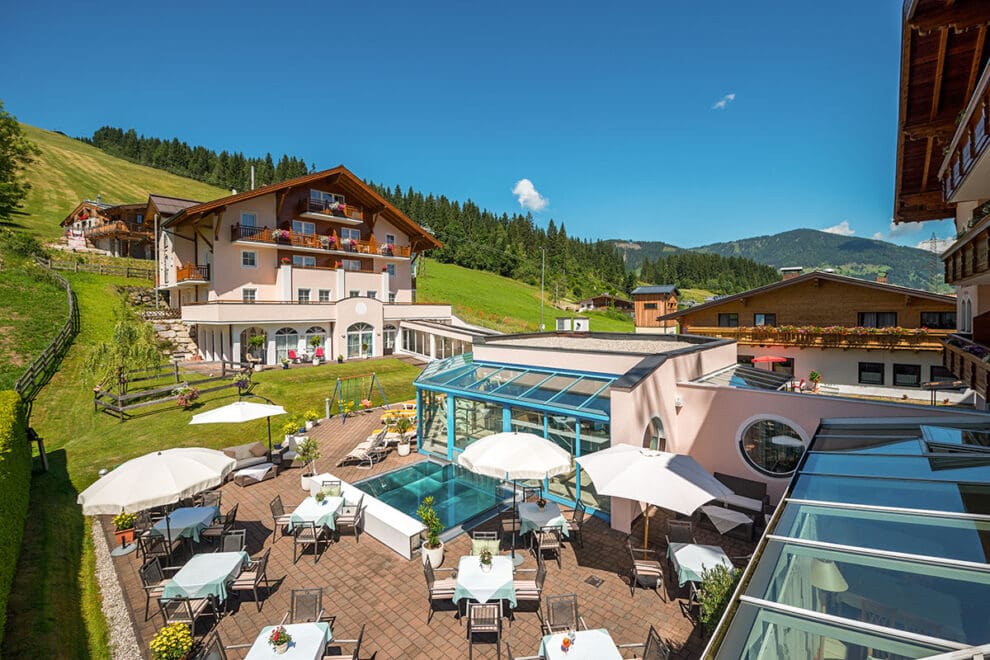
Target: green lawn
498, 302
54, 609
32, 309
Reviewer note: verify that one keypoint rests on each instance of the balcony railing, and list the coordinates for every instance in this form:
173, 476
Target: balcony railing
118, 228
331, 243
967, 360
830, 337
193, 272
971, 139
331, 209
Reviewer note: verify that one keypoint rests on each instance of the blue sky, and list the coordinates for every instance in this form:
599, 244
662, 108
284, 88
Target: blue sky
687, 122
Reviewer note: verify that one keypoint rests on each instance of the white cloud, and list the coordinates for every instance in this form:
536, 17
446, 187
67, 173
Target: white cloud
941, 244
842, 229
528, 196
878, 236
723, 102
904, 228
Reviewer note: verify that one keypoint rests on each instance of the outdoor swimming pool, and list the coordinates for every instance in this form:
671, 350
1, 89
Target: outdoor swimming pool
458, 494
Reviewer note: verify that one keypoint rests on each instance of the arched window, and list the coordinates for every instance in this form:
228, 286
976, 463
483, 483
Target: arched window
256, 349
360, 341
771, 447
285, 339
320, 333
655, 437
388, 339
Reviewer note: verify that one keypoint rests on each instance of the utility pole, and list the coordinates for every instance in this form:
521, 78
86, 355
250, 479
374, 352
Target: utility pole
157, 269
543, 272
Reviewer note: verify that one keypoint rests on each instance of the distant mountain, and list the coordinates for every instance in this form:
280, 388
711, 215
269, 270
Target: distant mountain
813, 249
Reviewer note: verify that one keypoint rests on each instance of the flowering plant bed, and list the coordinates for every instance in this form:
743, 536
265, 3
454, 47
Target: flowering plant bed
172, 642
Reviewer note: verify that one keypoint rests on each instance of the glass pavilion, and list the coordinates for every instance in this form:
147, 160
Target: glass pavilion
880, 549
461, 401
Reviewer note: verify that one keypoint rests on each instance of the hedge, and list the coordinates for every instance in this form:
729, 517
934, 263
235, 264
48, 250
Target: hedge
15, 485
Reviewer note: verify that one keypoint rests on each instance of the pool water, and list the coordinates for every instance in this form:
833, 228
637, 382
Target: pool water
458, 495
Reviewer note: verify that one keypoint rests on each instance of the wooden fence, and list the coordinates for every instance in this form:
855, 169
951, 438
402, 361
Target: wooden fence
100, 269
40, 371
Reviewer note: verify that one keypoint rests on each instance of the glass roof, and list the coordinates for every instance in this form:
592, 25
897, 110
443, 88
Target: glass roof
881, 549
749, 378
540, 388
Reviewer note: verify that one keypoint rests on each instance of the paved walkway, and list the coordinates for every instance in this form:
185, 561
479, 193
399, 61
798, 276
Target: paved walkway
367, 583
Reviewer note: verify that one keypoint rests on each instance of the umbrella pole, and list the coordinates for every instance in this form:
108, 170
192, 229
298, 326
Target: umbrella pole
515, 560
269, 436
646, 528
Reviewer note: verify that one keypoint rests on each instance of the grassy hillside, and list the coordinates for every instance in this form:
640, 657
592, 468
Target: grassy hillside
68, 171
498, 302
634, 253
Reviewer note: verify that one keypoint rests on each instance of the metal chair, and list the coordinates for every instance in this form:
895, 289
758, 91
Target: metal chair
280, 519
654, 648
547, 539
222, 526
331, 483
531, 493
188, 610
308, 533
530, 590
680, 531
333, 647
252, 576
486, 619
233, 541
208, 498
510, 524
576, 522
307, 606
508, 652
350, 516
562, 614
213, 648
438, 590
152, 581
153, 545
646, 569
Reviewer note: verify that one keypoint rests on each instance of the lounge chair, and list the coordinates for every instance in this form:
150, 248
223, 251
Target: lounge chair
319, 353
367, 453
293, 356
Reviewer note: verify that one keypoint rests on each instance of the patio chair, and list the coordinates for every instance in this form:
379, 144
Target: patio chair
562, 614
531, 493
153, 545
252, 576
691, 608
208, 498
484, 619
280, 519
350, 516
152, 581
221, 527
508, 652
233, 541
510, 524
438, 590
369, 454
654, 648
481, 541
319, 352
333, 647
646, 569
547, 539
143, 523
576, 522
530, 590
214, 649
293, 356
308, 533
188, 610
307, 606
331, 486
680, 531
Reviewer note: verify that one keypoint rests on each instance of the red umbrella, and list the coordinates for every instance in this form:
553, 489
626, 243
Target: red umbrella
771, 359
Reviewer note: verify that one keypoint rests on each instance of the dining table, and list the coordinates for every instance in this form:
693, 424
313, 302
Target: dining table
186, 521
691, 559
311, 510
206, 574
481, 584
532, 517
309, 642
586, 645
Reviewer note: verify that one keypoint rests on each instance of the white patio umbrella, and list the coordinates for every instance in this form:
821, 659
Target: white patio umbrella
240, 411
155, 479
670, 481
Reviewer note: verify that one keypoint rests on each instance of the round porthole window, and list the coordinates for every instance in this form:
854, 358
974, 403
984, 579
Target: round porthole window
772, 447
654, 437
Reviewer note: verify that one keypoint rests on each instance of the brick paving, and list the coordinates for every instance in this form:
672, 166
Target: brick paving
366, 583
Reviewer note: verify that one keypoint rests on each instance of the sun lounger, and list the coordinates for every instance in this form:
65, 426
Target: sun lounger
255, 474
368, 452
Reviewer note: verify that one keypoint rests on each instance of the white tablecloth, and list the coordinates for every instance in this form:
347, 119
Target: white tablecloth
532, 518
186, 521
691, 559
309, 641
588, 645
206, 574
482, 586
321, 513
725, 519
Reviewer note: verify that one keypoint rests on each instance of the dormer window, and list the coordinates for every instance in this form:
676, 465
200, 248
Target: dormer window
325, 200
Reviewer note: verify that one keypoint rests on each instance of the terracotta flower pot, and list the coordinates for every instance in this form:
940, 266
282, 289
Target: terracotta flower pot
124, 536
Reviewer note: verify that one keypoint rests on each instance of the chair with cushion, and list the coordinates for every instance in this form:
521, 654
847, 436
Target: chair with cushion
319, 353
510, 524
481, 541
748, 495
293, 356
350, 516
307, 606
646, 569
308, 533
680, 531
333, 650
366, 455
530, 590
438, 590
331, 487
252, 576
531, 493
576, 522
280, 519
247, 455
547, 539
654, 648
233, 541
562, 614
188, 610
484, 619
221, 527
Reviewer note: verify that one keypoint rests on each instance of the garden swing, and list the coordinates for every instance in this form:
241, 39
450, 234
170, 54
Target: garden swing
349, 393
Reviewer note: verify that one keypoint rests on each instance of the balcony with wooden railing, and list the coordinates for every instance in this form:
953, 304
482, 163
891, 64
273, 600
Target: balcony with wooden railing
192, 273
913, 339
119, 229
330, 243
968, 361
969, 143
347, 214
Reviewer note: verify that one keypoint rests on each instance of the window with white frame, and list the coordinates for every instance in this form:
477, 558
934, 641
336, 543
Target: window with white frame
303, 261
352, 264
303, 227
249, 295
390, 269
353, 294
390, 239
320, 196
325, 295
350, 233
249, 219
249, 259
302, 295
371, 294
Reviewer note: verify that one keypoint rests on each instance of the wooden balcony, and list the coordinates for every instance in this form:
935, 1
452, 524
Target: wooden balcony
331, 243
119, 229
193, 273
347, 214
830, 337
969, 142
966, 360
969, 256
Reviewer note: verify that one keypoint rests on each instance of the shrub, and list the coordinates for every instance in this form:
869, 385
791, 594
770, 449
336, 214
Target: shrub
15, 485
124, 521
431, 520
172, 642
716, 589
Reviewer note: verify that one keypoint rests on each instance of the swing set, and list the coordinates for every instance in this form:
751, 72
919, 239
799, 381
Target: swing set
356, 392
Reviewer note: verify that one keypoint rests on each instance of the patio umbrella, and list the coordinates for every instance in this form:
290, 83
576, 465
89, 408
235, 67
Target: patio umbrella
156, 479
670, 481
240, 411
515, 456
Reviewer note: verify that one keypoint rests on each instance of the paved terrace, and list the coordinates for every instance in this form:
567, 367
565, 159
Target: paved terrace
367, 583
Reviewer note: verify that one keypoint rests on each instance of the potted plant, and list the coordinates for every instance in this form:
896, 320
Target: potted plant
173, 642
311, 417
485, 557
715, 592
123, 527
308, 452
285, 362
185, 395
402, 425
315, 341
279, 639
320, 496
340, 359
242, 383
286, 261
815, 378
433, 546
256, 343
289, 430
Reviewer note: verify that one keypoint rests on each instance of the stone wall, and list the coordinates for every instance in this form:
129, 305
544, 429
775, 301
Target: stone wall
177, 335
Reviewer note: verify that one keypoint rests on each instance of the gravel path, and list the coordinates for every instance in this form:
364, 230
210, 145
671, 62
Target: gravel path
123, 642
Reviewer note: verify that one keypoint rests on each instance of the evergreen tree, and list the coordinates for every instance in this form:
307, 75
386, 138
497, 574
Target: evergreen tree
16, 153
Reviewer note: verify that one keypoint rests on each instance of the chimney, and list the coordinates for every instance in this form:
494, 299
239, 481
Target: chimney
882, 277
790, 272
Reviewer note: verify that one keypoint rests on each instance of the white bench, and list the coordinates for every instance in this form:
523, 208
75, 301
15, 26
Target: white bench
385, 523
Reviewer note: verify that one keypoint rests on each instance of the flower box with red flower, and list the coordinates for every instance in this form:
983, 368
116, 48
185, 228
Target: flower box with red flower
279, 639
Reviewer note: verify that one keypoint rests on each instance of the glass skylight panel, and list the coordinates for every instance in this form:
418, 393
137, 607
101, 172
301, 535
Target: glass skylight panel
924, 495
495, 380
522, 384
955, 468
550, 388
891, 531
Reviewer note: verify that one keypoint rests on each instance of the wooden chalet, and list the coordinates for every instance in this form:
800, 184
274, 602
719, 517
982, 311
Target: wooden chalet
650, 303
605, 301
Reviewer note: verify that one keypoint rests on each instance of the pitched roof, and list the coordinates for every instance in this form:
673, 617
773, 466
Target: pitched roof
604, 295
169, 206
339, 174
658, 288
813, 275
